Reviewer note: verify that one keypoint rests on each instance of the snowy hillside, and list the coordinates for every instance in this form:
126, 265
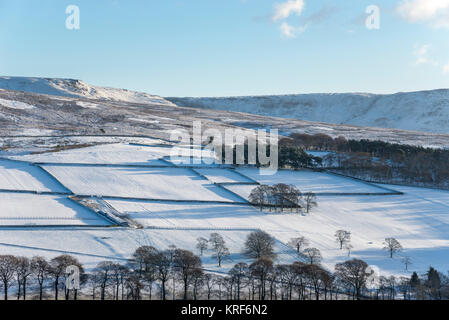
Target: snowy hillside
76, 89
174, 206
418, 111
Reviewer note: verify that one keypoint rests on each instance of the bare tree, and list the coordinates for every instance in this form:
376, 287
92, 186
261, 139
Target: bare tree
349, 248
310, 201
258, 196
407, 261
313, 255
104, 271
94, 282
163, 266
23, 271
117, 278
238, 273
40, 269
342, 237
124, 273
404, 286
58, 267
288, 276
298, 243
286, 196
209, 281
144, 264
143, 259
315, 275
72, 261
354, 273
202, 245
260, 270
219, 246
134, 286
259, 244
7, 271
186, 265
392, 246
197, 281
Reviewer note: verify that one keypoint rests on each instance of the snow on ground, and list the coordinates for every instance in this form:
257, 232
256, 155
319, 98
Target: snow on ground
15, 104
92, 246
44, 210
418, 219
134, 182
306, 181
420, 111
103, 154
34, 132
89, 245
119, 154
223, 175
190, 215
22, 176
78, 89
87, 105
144, 120
243, 190
42, 141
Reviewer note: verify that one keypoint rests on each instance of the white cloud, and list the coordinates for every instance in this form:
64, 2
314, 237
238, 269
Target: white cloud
421, 53
423, 57
446, 69
433, 12
284, 10
287, 30
290, 31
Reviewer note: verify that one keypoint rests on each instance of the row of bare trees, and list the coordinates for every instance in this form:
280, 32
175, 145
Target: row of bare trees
178, 274
17, 271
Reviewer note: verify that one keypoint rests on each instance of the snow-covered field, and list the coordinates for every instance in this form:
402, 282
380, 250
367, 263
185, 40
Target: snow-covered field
44, 210
162, 214
418, 219
306, 181
122, 154
134, 182
22, 176
223, 175
149, 154
92, 246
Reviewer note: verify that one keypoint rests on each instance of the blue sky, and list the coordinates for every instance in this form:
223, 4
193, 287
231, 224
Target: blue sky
232, 47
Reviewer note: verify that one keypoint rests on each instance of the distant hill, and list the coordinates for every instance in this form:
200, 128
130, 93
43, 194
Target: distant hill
418, 111
76, 89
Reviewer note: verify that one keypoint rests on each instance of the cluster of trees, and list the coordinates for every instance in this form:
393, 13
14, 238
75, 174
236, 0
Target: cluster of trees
282, 197
289, 156
295, 157
382, 161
